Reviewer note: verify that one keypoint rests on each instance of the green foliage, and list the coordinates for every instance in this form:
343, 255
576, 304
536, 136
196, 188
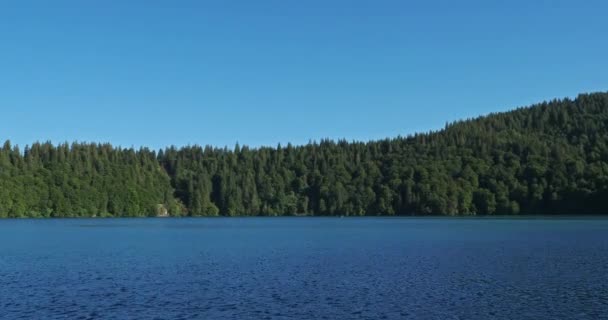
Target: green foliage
550, 158
546, 159
81, 180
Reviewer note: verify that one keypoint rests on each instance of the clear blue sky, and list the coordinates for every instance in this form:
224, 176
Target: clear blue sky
156, 73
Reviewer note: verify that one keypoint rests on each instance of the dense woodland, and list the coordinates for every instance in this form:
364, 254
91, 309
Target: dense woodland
551, 158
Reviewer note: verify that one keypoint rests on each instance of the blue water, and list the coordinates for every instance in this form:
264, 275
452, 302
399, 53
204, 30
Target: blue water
304, 268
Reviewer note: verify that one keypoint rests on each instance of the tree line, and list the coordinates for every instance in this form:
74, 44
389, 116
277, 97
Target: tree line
549, 158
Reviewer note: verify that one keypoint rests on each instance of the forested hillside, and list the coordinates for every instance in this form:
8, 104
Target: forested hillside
550, 158
81, 180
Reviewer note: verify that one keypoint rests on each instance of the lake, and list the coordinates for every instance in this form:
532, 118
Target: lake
304, 268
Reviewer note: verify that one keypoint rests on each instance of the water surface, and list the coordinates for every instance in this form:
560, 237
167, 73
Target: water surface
304, 268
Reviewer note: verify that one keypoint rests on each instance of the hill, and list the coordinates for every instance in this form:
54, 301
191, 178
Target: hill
549, 158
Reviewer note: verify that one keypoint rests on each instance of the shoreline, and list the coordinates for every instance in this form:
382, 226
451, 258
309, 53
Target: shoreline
413, 217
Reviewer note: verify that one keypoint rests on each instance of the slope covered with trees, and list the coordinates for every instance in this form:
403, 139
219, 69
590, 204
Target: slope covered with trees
550, 158
81, 180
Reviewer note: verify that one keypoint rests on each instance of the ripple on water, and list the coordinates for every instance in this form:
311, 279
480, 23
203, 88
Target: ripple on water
346, 269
